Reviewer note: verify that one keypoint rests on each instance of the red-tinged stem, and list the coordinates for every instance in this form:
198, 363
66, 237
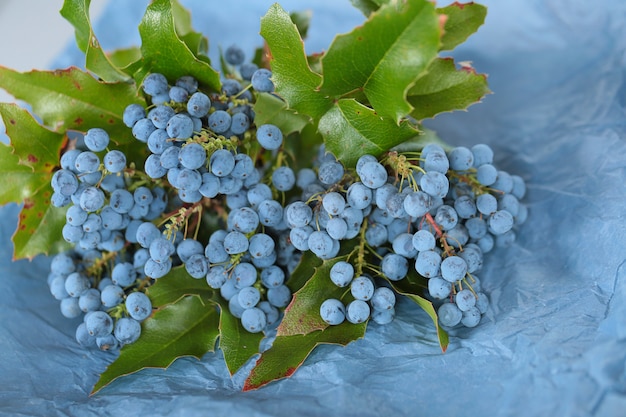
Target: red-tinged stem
446, 247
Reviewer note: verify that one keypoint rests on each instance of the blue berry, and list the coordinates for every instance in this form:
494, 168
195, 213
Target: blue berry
111, 295
453, 268
98, 323
189, 83
373, 174
261, 80
428, 263
127, 330
138, 305
341, 273
234, 55
461, 158
394, 266
198, 104
222, 163
219, 121
333, 312
160, 115
283, 178
142, 129
357, 311
253, 320
180, 126
115, 161
279, 296
123, 274
178, 94
96, 139
269, 136
449, 315
154, 84
132, 114
362, 288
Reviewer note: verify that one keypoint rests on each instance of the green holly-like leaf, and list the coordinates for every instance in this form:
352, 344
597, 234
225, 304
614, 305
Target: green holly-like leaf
195, 41
237, 344
164, 51
446, 88
72, 99
39, 228
292, 76
302, 329
188, 327
351, 130
25, 171
270, 109
77, 13
462, 20
178, 284
40, 224
289, 352
412, 286
302, 314
384, 56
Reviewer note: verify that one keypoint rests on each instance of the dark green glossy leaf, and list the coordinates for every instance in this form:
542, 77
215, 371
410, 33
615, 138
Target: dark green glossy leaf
198, 44
351, 130
96, 61
176, 285
72, 99
237, 344
25, 172
165, 52
188, 327
289, 352
271, 109
302, 315
294, 80
446, 88
384, 56
462, 20
195, 41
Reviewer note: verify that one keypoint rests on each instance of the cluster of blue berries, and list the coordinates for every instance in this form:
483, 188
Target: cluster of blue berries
105, 207
432, 213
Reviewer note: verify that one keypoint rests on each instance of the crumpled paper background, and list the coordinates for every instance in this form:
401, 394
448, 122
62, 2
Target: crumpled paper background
554, 340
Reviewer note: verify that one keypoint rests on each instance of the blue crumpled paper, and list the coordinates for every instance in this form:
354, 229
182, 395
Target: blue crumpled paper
554, 340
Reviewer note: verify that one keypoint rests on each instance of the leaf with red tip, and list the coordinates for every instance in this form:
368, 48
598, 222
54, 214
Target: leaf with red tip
462, 20
289, 352
25, 171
